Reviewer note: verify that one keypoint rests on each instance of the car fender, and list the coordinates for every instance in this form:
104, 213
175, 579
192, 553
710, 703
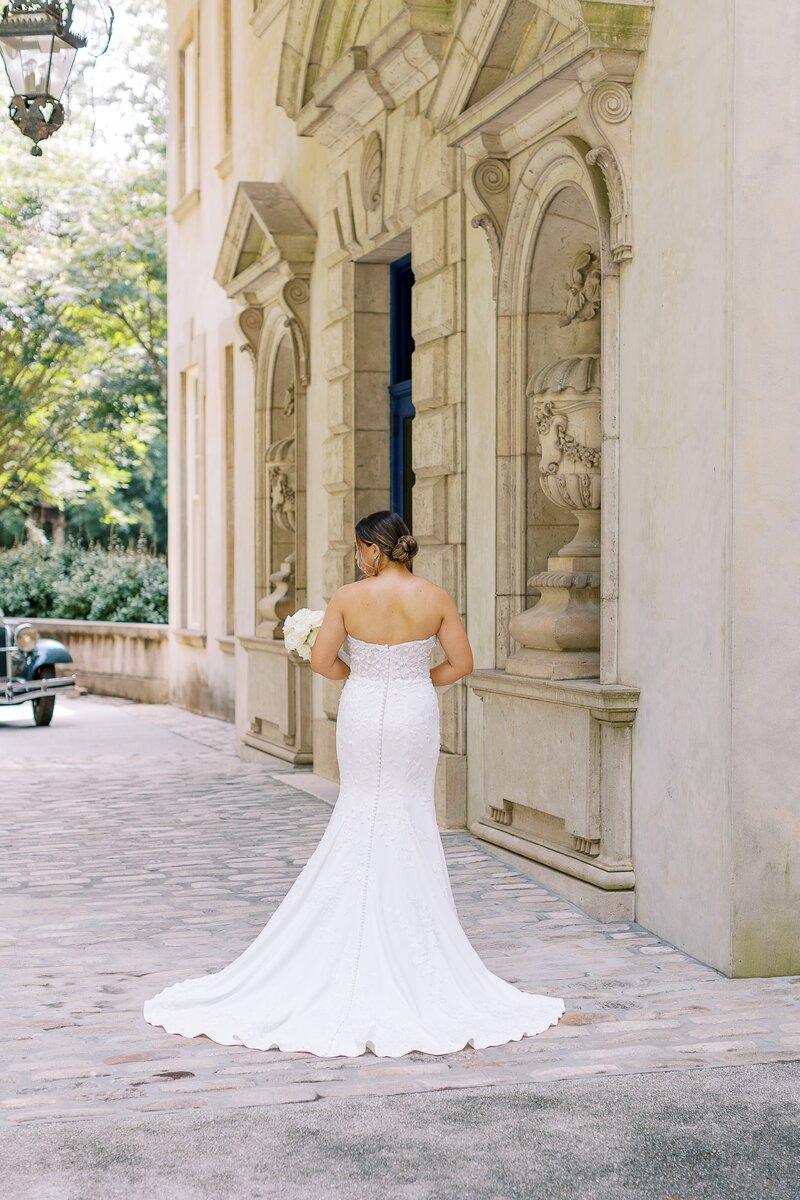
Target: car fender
46, 650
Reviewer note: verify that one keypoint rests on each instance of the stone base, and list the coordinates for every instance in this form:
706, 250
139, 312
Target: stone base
555, 664
310, 783
597, 902
298, 758
557, 779
278, 697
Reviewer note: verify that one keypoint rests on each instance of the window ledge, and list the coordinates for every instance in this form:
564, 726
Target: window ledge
185, 205
190, 637
227, 644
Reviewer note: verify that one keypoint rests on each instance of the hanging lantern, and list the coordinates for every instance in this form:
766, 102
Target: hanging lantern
39, 40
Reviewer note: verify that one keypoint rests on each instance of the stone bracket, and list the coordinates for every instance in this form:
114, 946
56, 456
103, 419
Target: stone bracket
486, 186
604, 120
250, 323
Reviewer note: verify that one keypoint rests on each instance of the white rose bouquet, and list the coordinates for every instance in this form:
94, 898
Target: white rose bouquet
300, 630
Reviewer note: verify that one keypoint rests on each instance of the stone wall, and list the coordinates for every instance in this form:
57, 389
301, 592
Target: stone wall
114, 658
654, 775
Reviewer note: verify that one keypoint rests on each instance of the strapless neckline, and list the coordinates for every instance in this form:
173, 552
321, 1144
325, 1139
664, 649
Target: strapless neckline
391, 645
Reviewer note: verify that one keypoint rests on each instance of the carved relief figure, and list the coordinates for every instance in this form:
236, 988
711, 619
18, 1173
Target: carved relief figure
583, 287
282, 498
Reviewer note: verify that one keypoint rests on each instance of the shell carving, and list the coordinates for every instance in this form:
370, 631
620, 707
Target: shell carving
372, 172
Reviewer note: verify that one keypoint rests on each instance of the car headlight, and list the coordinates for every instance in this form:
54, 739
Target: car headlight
25, 637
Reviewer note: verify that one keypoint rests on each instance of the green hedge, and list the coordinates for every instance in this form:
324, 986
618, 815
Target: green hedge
79, 583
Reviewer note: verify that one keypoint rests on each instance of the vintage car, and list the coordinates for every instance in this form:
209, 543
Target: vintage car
28, 669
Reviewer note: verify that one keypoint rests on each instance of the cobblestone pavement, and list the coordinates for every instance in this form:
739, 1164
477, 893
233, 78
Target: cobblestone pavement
140, 850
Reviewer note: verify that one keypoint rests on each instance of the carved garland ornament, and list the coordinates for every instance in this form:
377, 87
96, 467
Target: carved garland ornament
575, 451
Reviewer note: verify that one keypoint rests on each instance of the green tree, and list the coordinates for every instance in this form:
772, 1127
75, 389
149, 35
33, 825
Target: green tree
83, 294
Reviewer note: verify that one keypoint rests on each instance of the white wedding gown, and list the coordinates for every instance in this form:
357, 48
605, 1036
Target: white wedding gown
366, 950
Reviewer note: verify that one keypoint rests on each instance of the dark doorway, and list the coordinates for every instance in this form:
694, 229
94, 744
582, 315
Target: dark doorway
401, 408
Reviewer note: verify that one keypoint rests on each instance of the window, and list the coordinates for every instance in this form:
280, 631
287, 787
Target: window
227, 75
401, 409
193, 589
188, 141
230, 512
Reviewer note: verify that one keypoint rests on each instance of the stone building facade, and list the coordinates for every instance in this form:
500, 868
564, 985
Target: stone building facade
518, 268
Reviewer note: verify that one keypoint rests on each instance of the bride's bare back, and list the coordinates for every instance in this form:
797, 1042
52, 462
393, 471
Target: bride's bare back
389, 608
393, 607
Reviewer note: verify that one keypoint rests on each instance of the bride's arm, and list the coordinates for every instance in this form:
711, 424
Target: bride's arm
329, 641
455, 643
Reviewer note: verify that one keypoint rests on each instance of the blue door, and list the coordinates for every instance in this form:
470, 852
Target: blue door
401, 408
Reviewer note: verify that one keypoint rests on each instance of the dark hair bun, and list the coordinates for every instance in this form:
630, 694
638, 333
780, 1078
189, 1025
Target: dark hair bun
405, 548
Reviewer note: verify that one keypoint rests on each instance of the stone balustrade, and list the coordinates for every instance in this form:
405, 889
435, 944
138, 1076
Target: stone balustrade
114, 658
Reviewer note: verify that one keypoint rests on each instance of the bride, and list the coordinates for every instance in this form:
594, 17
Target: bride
366, 951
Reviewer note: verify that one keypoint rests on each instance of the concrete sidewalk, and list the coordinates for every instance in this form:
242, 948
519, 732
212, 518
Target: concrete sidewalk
729, 1132
141, 851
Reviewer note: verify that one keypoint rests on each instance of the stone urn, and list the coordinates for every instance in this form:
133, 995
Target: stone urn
566, 408
274, 608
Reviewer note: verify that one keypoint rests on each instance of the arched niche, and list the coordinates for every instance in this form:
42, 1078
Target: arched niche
568, 233
279, 493
554, 268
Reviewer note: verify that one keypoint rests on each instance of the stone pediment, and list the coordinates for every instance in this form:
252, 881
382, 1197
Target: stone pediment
267, 242
339, 69
511, 59
342, 65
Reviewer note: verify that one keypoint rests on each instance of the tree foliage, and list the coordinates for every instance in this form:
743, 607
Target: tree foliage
84, 583
83, 294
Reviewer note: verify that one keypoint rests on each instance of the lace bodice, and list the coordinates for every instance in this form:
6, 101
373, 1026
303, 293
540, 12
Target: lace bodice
403, 661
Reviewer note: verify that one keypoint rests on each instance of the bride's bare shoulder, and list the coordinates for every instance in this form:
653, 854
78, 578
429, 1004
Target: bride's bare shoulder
433, 589
433, 598
345, 594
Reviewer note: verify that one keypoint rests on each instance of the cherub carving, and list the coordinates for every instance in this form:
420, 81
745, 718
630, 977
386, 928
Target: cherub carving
583, 285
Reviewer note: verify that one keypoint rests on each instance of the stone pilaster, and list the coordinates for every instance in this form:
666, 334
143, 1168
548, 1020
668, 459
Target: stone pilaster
438, 451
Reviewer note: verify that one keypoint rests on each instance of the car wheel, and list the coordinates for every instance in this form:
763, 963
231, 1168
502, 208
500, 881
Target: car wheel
43, 707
